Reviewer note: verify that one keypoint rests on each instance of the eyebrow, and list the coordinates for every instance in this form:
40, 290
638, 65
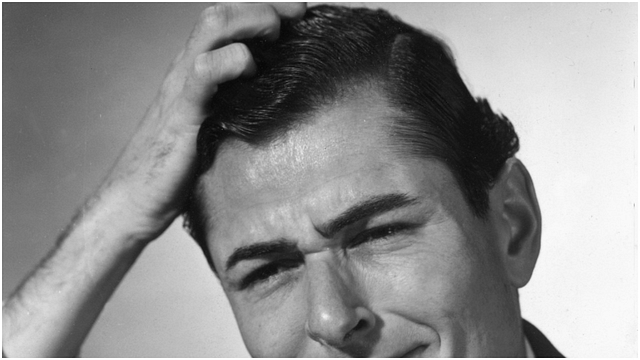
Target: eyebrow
367, 208
370, 207
258, 250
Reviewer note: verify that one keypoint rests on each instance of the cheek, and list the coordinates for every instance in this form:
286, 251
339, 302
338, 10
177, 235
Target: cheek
439, 278
272, 327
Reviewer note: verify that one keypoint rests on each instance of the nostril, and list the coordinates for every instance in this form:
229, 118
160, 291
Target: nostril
360, 325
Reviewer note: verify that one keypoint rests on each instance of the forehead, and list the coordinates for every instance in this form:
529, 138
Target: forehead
338, 135
341, 155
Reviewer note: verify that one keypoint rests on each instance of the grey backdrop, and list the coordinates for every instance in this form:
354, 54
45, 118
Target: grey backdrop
77, 77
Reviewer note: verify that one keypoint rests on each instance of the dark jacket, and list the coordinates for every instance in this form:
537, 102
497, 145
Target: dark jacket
541, 346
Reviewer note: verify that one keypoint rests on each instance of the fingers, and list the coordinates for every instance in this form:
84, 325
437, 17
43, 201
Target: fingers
224, 64
222, 24
210, 69
212, 56
290, 10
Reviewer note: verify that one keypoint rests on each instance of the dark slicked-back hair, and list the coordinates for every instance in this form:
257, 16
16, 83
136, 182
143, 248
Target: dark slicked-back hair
334, 49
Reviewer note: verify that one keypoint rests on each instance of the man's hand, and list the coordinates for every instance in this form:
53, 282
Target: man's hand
153, 175
51, 313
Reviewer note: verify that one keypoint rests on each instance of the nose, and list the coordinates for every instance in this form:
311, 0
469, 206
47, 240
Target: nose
337, 316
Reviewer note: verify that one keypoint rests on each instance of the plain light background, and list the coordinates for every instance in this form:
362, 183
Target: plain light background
78, 77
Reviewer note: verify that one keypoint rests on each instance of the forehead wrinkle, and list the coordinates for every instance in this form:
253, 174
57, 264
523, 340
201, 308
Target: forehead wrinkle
284, 164
303, 147
298, 156
341, 196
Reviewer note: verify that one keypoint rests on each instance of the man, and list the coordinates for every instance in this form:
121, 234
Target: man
351, 195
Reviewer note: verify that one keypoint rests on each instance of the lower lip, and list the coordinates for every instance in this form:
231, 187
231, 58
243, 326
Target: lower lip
417, 352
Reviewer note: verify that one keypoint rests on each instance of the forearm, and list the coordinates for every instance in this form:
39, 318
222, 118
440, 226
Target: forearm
52, 312
54, 309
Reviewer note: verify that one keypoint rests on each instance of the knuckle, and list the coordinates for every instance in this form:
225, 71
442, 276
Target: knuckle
222, 64
203, 66
217, 16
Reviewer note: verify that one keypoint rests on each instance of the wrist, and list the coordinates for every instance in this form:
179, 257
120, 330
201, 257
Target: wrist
114, 215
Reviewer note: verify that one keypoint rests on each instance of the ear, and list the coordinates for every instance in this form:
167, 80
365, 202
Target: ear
515, 209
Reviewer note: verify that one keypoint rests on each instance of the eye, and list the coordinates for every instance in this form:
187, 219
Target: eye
268, 272
379, 233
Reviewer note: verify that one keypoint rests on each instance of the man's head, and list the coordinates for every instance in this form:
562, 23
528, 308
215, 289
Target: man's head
354, 198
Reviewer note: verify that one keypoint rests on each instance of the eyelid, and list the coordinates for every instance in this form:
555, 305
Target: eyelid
253, 278
381, 232
291, 262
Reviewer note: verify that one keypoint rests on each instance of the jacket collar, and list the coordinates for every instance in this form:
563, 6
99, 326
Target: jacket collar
542, 347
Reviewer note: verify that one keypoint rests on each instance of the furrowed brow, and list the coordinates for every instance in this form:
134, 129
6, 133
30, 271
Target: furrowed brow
367, 208
259, 250
370, 207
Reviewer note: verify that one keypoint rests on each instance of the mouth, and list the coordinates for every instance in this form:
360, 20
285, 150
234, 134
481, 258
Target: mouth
416, 352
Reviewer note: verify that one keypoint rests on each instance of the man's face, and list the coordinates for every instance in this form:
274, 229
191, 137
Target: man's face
330, 242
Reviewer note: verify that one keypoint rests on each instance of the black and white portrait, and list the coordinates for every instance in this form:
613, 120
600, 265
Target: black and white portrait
351, 179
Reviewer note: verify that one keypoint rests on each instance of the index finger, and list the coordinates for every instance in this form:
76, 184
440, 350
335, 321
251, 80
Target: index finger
290, 11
